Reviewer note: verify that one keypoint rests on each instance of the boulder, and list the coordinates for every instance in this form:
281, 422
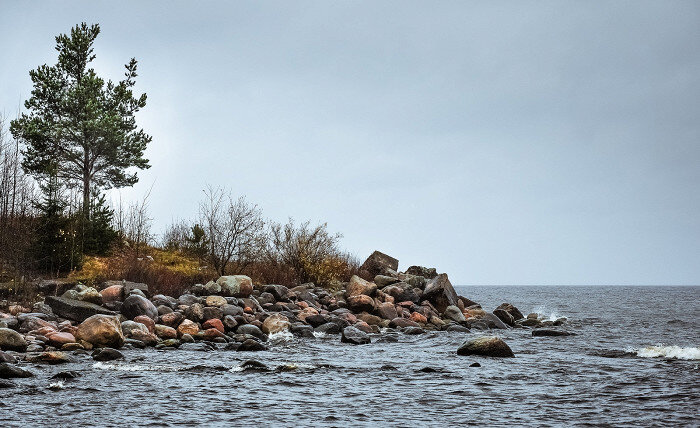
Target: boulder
504, 316
113, 293
402, 322
384, 280
440, 293
212, 312
84, 294
101, 330
129, 287
75, 309
379, 263
172, 319
50, 357
58, 339
236, 285
129, 326
387, 311
275, 323
453, 313
278, 292
428, 273
212, 287
355, 336
251, 330
165, 332
488, 346
107, 354
135, 305
9, 371
214, 323
187, 327
358, 286
328, 328
251, 345
418, 317
163, 300
360, 303
402, 292
56, 286
147, 321
10, 340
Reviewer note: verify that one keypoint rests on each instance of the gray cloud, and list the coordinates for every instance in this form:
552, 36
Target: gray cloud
506, 143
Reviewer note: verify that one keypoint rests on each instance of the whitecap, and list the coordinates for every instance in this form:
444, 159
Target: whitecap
280, 337
135, 367
55, 386
661, 351
542, 312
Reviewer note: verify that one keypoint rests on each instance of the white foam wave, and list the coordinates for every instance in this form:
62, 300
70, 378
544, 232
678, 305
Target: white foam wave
280, 337
56, 385
319, 334
542, 312
135, 367
661, 351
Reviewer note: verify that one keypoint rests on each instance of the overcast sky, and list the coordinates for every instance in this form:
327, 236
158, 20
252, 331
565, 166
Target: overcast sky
501, 142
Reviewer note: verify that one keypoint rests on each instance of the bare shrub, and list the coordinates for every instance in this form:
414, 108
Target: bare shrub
233, 229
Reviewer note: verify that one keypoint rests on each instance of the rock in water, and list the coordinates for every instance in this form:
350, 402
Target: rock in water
549, 332
136, 305
440, 293
355, 336
251, 345
504, 316
107, 354
236, 285
379, 263
75, 309
488, 346
512, 311
101, 330
10, 340
453, 313
8, 371
275, 323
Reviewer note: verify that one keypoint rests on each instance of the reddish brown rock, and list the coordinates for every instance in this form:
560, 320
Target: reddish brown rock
419, 318
112, 293
165, 332
211, 333
172, 319
402, 322
147, 321
363, 326
149, 339
387, 311
214, 323
360, 303
358, 286
59, 339
101, 330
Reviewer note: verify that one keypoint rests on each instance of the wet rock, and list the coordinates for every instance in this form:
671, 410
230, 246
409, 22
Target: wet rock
529, 322
230, 323
251, 330
457, 328
275, 323
133, 343
6, 384
212, 334
147, 321
402, 322
328, 328
10, 340
354, 336
251, 345
236, 285
70, 374
169, 343
440, 293
358, 286
50, 357
302, 330
7, 358
379, 263
453, 313
387, 311
504, 316
494, 322
9, 371
187, 327
550, 332
135, 306
71, 347
511, 310
75, 309
412, 330
316, 320
101, 330
113, 293
129, 326
488, 346
418, 318
428, 273
474, 365
195, 312
369, 319
360, 303
165, 332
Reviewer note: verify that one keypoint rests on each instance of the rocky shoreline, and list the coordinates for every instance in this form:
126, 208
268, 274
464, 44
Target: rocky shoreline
234, 314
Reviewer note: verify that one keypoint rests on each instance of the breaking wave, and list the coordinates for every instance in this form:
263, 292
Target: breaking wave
661, 351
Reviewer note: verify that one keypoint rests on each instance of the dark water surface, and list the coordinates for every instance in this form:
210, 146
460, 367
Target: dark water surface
618, 370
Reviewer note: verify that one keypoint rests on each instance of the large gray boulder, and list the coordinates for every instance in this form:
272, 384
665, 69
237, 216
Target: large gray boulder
236, 285
487, 346
355, 336
75, 310
428, 273
136, 305
440, 293
10, 340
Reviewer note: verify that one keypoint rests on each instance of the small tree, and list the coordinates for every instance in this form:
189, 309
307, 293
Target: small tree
233, 229
79, 127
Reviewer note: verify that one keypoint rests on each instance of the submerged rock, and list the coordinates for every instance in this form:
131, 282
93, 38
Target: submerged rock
107, 354
9, 371
355, 336
488, 346
551, 332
